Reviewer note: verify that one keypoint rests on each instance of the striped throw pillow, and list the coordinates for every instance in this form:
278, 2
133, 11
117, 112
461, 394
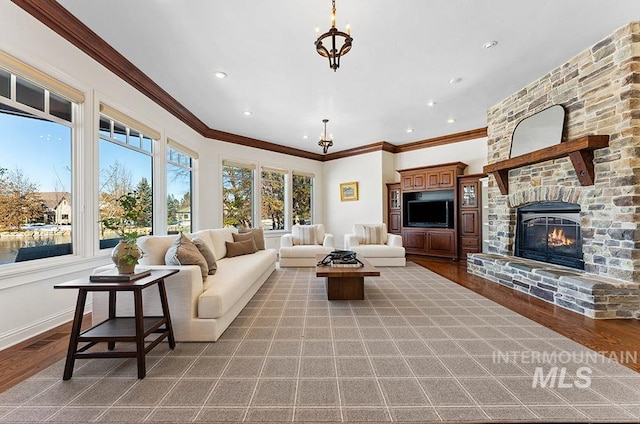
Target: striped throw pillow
304, 234
373, 234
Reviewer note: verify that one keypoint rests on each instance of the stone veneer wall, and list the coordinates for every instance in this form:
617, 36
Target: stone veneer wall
600, 91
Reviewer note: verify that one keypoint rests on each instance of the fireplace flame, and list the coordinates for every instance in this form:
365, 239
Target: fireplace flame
556, 238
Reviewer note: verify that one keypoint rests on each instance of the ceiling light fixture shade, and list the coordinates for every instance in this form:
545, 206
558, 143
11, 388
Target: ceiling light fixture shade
324, 141
335, 37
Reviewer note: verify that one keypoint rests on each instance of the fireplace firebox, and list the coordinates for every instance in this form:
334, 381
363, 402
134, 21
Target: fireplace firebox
550, 232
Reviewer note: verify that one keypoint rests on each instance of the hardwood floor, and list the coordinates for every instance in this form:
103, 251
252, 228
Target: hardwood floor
25, 359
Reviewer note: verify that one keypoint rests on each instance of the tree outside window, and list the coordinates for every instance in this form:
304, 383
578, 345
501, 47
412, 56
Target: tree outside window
302, 195
273, 200
237, 195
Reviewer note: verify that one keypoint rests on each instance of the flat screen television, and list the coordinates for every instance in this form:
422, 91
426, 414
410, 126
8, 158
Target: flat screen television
430, 213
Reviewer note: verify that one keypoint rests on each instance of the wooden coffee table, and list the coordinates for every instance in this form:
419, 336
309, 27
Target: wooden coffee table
345, 283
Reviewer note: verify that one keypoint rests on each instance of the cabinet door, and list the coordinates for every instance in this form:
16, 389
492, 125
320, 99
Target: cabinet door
395, 222
469, 223
419, 182
413, 241
433, 179
468, 194
394, 198
447, 178
441, 243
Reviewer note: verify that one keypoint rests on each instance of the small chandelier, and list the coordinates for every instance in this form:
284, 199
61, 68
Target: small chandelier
334, 54
324, 141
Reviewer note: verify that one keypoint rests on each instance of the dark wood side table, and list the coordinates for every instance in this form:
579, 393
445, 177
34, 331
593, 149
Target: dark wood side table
119, 329
346, 283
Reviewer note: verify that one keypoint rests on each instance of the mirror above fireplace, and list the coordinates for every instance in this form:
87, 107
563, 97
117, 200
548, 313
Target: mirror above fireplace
538, 131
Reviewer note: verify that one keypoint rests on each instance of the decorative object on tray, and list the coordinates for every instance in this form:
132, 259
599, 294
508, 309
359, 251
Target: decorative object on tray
349, 191
113, 275
126, 253
341, 258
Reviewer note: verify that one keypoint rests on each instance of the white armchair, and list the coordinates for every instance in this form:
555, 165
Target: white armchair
373, 243
299, 249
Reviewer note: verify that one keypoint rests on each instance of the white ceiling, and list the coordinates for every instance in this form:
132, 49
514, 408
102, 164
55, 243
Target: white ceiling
404, 54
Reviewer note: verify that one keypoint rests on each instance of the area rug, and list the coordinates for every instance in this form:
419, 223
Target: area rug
419, 348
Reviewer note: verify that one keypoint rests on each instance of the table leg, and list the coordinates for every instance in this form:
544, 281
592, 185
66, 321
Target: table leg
75, 333
165, 312
112, 314
139, 318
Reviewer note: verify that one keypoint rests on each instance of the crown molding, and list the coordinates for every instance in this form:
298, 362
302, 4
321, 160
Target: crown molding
445, 139
62, 22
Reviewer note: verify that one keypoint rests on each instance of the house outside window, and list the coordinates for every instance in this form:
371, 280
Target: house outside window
37, 130
126, 166
179, 188
237, 194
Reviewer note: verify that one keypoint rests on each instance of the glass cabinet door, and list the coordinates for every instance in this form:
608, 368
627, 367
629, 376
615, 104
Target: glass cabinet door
469, 195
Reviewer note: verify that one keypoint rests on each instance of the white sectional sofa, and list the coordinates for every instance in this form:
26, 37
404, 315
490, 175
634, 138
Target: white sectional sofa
299, 250
200, 311
373, 243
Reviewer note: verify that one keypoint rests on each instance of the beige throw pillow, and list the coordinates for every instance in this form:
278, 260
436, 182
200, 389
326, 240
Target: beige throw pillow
240, 248
258, 236
207, 253
304, 234
184, 252
373, 234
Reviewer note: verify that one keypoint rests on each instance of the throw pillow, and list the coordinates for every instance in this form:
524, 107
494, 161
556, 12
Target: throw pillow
373, 234
240, 248
184, 252
304, 234
258, 236
207, 253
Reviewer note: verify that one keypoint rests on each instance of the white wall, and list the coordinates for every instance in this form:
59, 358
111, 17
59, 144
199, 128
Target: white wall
368, 209
28, 302
471, 152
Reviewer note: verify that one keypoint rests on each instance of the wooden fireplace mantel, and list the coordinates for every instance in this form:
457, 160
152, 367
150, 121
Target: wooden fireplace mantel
580, 151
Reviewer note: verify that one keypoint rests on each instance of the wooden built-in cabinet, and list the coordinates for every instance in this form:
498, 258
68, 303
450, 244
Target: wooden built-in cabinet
435, 183
394, 223
469, 214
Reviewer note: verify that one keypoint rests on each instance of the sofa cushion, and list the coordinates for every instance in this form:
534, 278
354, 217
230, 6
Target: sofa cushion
184, 252
218, 238
378, 251
304, 234
207, 253
257, 233
371, 233
154, 248
307, 251
239, 248
234, 277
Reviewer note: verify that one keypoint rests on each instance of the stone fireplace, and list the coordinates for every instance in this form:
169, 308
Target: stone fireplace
600, 91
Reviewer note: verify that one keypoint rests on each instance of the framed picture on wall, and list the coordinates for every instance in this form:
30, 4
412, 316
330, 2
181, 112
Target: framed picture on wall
349, 191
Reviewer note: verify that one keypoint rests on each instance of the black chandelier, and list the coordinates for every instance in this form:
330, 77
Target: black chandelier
324, 141
336, 38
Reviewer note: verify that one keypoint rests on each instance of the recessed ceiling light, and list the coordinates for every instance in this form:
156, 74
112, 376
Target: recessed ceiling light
431, 103
220, 74
409, 130
451, 121
490, 44
305, 137
247, 113
455, 80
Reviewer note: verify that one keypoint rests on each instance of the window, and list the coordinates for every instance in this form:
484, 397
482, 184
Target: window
302, 196
272, 199
179, 188
36, 141
237, 194
126, 159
